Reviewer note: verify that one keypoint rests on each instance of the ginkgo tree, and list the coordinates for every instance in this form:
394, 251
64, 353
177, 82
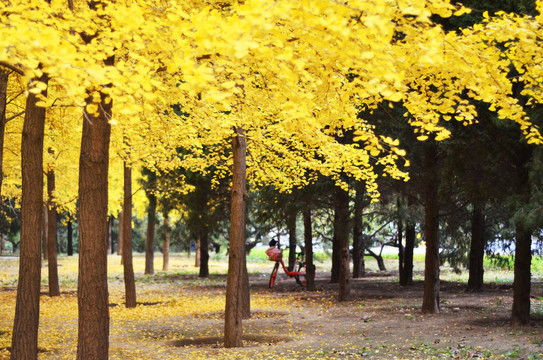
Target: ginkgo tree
285, 78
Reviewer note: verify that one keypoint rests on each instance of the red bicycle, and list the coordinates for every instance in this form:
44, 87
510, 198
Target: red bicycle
298, 273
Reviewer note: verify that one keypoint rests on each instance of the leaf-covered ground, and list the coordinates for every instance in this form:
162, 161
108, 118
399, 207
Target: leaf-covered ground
180, 316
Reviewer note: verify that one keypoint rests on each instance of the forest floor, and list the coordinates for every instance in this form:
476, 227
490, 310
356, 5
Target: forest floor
180, 316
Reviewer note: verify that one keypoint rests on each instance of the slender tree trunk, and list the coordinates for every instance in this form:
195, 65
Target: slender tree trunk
110, 220
476, 255
92, 288
166, 245
291, 225
70, 235
401, 250
120, 236
44, 231
4, 79
129, 281
334, 277
342, 209
430, 302
151, 218
522, 283
359, 246
27, 308
2, 243
410, 236
308, 242
234, 297
54, 289
204, 253
197, 252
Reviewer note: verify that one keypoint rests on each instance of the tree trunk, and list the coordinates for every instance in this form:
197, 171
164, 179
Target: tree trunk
27, 308
204, 253
92, 289
69, 229
110, 220
4, 78
2, 243
359, 246
291, 226
401, 250
197, 252
44, 231
52, 236
410, 236
120, 236
476, 255
245, 292
308, 242
334, 277
234, 283
430, 302
166, 245
151, 218
522, 283
342, 211
129, 281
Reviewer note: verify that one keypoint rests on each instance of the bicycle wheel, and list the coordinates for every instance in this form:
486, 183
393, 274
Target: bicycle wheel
300, 267
273, 274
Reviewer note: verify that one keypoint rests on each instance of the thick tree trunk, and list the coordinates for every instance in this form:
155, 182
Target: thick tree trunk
308, 242
204, 253
476, 255
410, 236
342, 210
291, 227
129, 281
27, 308
359, 246
234, 284
4, 78
166, 245
52, 236
522, 283
151, 218
245, 292
92, 289
430, 301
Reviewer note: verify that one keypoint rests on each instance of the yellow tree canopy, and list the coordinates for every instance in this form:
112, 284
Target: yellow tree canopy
293, 74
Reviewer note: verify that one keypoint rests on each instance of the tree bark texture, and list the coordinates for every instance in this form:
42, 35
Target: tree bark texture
166, 245
120, 236
54, 289
477, 247
334, 276
70, 235
430, 301
110, 220
291, 226
128, 266
44, 232
342, 214
234, 300
93, 324
151, 218
27, 308
359, 246
197, 252
308, 242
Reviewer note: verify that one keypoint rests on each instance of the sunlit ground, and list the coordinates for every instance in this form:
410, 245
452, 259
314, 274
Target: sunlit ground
175, 307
